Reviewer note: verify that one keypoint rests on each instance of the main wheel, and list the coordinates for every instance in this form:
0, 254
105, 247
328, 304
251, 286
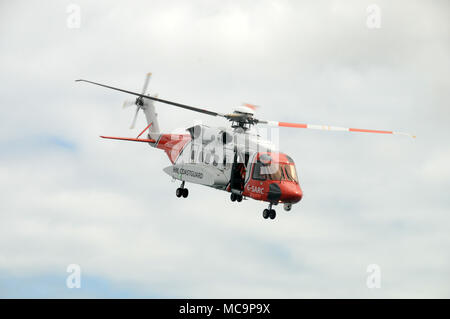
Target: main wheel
266, 213
185, 192
179, 192
239, 198
273, 214
233, 197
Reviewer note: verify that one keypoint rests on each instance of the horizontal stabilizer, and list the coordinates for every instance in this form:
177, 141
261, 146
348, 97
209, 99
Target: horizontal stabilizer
145, 140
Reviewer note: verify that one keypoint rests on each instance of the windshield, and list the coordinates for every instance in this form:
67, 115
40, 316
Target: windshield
272, 172
275, 172
291, 173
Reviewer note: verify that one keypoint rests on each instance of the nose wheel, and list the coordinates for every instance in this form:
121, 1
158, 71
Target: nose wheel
181, 191
269, 213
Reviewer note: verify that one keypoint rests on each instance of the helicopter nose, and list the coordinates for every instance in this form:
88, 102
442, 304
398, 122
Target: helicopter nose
291, 193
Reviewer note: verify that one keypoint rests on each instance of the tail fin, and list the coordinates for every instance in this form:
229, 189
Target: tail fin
152, 117
148, 107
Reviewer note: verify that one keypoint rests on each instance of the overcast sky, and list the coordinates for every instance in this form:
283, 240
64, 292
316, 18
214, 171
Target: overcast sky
68, 197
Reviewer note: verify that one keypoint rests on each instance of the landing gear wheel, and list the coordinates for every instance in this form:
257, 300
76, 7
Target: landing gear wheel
233, 197
272, 214
266, 213
239, 198
185, 192
179, 192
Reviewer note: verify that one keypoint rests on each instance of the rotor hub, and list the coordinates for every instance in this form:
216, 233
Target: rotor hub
140, 101
241, 120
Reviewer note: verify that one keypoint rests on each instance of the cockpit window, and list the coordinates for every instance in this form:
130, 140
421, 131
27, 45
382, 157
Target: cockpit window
272, 172
291, 172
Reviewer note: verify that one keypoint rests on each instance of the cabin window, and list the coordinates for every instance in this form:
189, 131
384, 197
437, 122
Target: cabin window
257, 172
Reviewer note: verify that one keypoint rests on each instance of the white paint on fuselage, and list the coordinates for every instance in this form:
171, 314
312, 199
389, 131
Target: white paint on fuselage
213, 160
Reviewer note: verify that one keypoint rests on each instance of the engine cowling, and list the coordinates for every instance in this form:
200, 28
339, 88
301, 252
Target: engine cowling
206, 134
202, 133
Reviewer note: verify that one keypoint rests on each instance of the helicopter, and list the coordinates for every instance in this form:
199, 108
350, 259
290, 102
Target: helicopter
234, 159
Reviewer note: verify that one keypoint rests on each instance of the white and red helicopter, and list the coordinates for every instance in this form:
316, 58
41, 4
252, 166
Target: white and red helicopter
236, 160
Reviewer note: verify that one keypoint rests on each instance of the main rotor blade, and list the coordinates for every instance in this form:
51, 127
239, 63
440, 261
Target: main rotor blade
332, 128
183, 106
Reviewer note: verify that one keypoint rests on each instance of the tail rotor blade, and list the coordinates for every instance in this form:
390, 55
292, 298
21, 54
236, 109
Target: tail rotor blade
147, 80
134, 118
128, 103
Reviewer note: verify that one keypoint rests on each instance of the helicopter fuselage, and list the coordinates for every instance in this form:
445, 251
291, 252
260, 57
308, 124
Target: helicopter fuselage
212, 156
